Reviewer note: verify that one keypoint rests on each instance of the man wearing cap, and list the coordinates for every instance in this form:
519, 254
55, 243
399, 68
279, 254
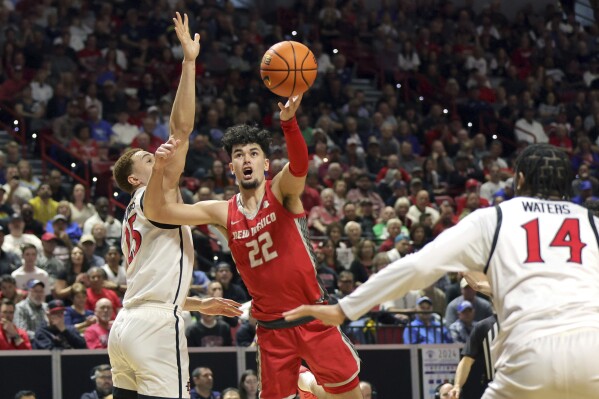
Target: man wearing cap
460, 329
424, 329
30, 314
16, 238
88, 244
44, 207
11, 337
506, 193
364, 190
471, 186
47, 260
56, 334
482, 307
29, 271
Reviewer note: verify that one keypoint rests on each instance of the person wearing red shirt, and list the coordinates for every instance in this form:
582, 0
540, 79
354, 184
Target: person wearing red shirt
11, 337
96, 290
96, 335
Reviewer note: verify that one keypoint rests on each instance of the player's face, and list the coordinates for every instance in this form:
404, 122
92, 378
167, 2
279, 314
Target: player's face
248, 164
142, 167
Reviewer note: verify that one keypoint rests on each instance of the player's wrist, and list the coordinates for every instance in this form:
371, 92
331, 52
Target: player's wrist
289, 121
189, 62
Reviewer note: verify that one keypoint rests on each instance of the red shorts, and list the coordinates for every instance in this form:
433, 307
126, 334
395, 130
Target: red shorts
330, 356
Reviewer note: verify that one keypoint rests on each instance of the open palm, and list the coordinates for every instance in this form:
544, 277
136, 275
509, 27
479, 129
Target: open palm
191, 47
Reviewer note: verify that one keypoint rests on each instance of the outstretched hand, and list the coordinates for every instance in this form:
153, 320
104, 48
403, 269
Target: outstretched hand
331, 315
288, 110
165, 153
191, 47
219, 307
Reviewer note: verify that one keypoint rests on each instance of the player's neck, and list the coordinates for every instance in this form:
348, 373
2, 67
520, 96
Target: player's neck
251, 198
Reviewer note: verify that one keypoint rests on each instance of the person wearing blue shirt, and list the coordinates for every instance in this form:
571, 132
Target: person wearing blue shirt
425, 329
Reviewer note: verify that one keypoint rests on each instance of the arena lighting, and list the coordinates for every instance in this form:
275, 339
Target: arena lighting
16, 122
73, 165
469, 124
294, 33
494, 137
215, 258
335, 51
94, 179
445, 111
115, 194
421, 98
34, 136
325, 160
398, 85
16, 129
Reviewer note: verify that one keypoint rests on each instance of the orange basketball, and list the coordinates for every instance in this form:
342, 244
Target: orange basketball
288, 68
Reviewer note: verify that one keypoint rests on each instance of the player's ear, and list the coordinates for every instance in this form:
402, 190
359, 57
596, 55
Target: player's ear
231, 168
520, 180
133, 180
266, 164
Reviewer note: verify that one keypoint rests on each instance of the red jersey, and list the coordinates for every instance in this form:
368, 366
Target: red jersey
274, 256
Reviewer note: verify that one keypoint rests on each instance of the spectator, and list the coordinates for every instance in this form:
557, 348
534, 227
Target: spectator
30, 314
528, 130
421, 206
96, 335
99, 235
322, 216
5, 208
32, 225
394, 228
11, 337
15, 192
248, 385
482, 307
424, 329
230, 393
9, 290
27, 179
25, 395
362, 265
96, 291
56, 334
75, 270
209, 331
327, 275
203, 382
64, 126
380, 228
346, 284
102, 377
55, 181
77, 315
71, 231
401, 248
81, 210
123, 131
9, 261
83, 145
460, 329
44, 207
493, 185
29, 271
113, 226
231, 290
246, 334
364, 191
113, 268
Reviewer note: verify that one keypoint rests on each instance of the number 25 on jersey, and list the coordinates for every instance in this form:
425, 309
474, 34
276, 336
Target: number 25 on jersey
568, 235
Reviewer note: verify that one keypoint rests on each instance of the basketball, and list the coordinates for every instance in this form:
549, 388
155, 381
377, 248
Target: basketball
288, 68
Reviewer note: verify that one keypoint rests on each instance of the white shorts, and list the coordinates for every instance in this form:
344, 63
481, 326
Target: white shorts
148, 351
560, 366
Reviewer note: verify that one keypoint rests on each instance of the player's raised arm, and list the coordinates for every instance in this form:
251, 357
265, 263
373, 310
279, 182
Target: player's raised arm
183, 112
458, 249
158, 209
292, 179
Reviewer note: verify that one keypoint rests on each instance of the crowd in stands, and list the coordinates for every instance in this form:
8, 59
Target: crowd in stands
460, 94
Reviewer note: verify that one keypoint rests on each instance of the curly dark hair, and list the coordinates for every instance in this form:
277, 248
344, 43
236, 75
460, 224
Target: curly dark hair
246, 134
547, 172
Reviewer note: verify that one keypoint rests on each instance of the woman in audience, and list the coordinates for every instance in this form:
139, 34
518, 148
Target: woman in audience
83, 145
27, 179
362, 265
81, 210
75, 271
221, 177
73, 230
322, 216
418, 236
76, 315
248, 385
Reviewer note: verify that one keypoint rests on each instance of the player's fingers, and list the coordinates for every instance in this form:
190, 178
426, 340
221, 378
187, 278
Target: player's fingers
230, 302
297, 313
186, 22
281, 106
196, 38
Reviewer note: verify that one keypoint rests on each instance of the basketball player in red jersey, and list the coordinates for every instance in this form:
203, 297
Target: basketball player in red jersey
268, 236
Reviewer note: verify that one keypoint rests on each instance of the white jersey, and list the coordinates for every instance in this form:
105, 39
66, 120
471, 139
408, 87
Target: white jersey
159, 258
541, 258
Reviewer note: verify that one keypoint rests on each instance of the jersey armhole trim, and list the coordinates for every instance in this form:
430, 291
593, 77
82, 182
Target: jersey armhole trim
495, 236
593, 225
156, 224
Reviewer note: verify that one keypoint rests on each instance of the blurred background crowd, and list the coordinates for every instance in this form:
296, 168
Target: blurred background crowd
414, 121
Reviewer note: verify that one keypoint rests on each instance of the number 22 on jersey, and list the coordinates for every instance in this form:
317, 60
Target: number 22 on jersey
260, 250
132, 238
568, 235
